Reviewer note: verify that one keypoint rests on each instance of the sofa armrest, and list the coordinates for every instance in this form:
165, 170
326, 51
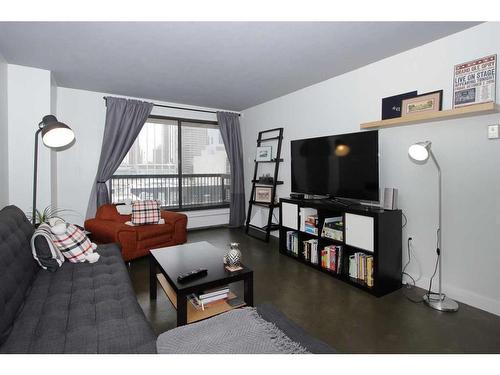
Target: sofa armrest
107, 231
179, 221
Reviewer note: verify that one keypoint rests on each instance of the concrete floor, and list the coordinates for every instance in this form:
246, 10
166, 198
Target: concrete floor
348, 319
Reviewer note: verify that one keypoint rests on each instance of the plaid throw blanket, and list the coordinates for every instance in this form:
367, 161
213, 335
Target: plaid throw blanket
73, 243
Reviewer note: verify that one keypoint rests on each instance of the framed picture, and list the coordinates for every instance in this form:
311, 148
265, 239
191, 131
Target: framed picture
264, 153
391, 106
263, 194
428, 102
474, 81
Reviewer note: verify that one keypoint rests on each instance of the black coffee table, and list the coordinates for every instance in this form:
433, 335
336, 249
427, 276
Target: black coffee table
169, 262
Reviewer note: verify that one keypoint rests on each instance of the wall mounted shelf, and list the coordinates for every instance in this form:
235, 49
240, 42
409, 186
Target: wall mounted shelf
449, 114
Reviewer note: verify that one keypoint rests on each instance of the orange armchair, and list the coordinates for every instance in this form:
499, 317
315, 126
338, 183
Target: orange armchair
109, 226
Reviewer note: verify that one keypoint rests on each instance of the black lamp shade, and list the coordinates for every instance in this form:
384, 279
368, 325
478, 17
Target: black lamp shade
55, 134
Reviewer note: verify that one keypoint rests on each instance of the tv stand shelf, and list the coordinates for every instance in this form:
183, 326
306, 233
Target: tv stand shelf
370, 231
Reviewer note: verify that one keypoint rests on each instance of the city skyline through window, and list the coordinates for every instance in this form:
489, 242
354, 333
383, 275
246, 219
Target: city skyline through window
195, 174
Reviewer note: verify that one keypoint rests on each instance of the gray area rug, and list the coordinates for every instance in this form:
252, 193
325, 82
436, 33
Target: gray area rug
240, 331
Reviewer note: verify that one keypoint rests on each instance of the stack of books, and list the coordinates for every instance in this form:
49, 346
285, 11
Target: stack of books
292, 242
311, 224
333, 228
310, 251
209, 297
331, 258
361, 268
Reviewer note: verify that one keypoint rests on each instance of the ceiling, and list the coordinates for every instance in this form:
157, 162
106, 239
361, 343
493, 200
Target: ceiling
228, 65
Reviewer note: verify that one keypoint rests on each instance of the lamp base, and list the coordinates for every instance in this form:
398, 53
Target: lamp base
441, 304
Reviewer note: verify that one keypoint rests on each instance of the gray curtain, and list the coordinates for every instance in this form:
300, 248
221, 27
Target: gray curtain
229, 124
124, 121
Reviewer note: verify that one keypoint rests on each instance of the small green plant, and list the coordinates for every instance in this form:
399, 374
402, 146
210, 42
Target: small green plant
50, 212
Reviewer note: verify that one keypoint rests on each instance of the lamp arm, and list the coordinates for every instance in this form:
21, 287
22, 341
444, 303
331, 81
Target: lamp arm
35, 170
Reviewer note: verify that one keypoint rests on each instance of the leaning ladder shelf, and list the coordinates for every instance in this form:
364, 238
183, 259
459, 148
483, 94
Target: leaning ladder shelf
264, 233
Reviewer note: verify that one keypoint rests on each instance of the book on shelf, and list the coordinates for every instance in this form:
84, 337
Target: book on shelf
208, 297
292, 242
361, 267
331, 258
214, 292
309, 220
310, 251
333, 228
202, 304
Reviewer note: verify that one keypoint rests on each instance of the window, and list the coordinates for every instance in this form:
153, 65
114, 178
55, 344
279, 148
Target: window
183, 164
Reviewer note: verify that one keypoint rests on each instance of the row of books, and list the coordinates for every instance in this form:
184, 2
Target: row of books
292, 242
311, 224
331, 258
333, 228
209, 297
310, 251
361, 267
309, 220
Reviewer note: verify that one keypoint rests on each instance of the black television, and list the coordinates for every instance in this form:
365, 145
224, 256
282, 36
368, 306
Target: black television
343, 166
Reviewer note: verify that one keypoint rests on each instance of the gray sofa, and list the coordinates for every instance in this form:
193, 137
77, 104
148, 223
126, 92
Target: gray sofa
80, 308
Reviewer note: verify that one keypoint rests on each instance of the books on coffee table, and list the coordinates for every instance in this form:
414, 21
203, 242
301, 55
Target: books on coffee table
205, 299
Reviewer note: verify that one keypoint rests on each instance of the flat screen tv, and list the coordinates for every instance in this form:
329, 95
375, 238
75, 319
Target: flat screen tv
344, 166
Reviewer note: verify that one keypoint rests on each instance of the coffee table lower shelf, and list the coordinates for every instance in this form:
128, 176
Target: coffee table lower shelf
193, 314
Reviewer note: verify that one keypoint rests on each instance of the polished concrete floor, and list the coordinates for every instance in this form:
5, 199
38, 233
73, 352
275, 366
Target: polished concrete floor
348, 319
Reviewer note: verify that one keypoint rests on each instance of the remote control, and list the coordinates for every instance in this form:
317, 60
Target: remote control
188, 276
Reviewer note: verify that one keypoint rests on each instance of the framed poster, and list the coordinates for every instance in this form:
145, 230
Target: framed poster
474, 82
428, 102
263, 194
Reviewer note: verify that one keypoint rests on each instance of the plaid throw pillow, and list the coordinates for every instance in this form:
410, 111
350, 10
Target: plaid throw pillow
145, 212
72, 242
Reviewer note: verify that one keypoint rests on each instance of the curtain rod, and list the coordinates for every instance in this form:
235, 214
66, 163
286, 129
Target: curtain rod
183, 108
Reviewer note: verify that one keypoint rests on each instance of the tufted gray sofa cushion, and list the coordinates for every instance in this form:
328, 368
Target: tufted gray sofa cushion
81, 308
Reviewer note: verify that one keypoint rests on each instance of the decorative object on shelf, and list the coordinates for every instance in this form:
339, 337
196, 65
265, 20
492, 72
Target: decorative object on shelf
266, 179
475, 81
420, 153
56, 136
391, 106
428, 102
264, 153
263, 194
232, 259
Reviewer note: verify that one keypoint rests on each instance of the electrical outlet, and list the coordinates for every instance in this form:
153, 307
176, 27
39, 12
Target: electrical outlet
493, 131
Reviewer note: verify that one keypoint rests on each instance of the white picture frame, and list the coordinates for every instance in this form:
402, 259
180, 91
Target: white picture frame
264, 153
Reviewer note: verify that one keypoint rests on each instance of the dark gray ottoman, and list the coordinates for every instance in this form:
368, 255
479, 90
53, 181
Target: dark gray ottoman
81, 308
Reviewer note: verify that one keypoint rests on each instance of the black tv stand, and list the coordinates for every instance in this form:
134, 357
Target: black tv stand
369, 231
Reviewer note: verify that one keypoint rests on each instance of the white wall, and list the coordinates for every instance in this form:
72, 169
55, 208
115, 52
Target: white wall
28, 101
85, 112
4, 165
470, 161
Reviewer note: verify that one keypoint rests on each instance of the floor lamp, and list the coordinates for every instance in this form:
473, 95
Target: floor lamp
419, 153
55, 135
